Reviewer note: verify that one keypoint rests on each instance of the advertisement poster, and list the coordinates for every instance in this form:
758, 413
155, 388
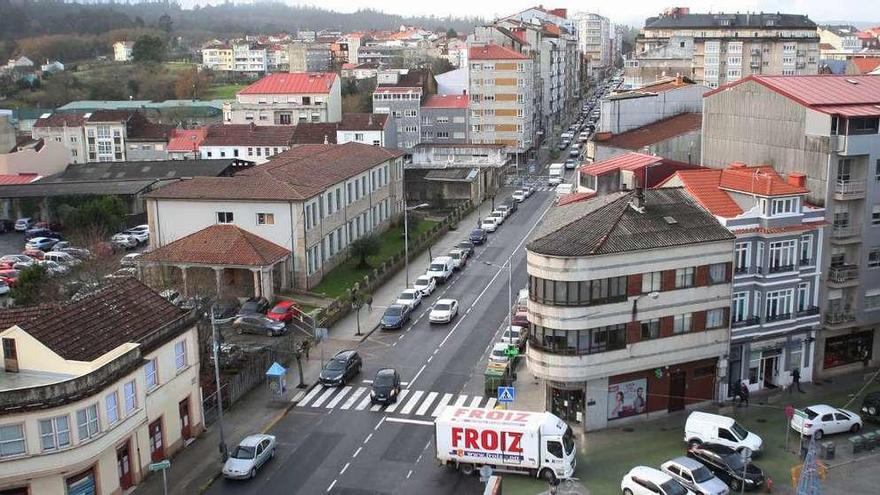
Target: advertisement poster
627, 398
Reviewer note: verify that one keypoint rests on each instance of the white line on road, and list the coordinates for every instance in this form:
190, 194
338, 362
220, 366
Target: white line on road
376, 428
410, 421
363, 403
408, 385
353, 397
326, 395
344, 468
414, 399
356, 452
376, 407
440, 405
426, 404
331, 486
490, 404
430, 358
460, 400
311, 395
400, 396
475, 402
409, 474
368, 438
341, 395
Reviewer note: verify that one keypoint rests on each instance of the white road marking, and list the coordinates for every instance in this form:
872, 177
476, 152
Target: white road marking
311, 395
326, 395
331, 486
414, 399
460, 400
376, 428
417, 375
410, 421
356, 452
426, 404
490, 404
409, 474
400, 396
442, 404
475, 402
363, 403
353, 397
344, 468
376, 407
368, 438
341, 395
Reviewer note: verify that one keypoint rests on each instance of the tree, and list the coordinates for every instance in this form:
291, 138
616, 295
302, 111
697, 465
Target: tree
451, 33
440, 65
363, 247
148, 49
191, 84
32, 287
106, 213
165, 23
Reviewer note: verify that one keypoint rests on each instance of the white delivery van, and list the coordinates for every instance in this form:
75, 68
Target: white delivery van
703, 427
556, 171
441, 269
533, 443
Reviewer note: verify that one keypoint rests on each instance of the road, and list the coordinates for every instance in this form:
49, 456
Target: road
334, 441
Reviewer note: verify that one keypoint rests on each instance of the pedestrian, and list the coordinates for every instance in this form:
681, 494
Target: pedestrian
744, 393
304, 346
369, 302
737, 395
795, 380
865, 358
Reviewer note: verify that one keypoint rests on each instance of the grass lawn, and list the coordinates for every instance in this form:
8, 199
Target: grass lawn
607, 455
224, 92
345, 275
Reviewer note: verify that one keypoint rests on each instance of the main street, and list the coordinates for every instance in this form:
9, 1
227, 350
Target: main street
335, 441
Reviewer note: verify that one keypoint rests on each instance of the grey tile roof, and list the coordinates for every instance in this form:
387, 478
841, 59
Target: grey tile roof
609, 224
738, 21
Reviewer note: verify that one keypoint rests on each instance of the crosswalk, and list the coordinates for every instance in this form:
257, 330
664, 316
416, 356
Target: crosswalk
409, 402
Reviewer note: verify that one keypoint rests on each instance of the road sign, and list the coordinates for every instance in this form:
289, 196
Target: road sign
160, 466
789, 412
511, 352
506, 394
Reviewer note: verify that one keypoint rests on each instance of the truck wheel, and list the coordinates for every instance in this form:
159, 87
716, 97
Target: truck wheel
694, 443
549, 476
466, 469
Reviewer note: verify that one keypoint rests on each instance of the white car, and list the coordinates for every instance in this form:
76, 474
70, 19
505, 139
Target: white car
410, 298
824, 420
141, 233
513, 335
444, 311
459, 259
506, 210
251, 453
54, 268
489, 224
23, 224
425, 285
498, 215
499, 353
694, 476
124, 240
519, 196
129, 259
41, 243
643, 480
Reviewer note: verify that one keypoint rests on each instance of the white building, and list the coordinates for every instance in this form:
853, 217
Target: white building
650, 103
122, 51
287, 99
249, 57
251, 142
594, 36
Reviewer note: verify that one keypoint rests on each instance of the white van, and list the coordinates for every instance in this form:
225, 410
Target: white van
61, 258
563, 189
703, 427
556, 170
441, 269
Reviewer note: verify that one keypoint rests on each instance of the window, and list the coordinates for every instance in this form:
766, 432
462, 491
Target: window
877, 170
786, 205
152, 374
872, 301
715, 318
651, 282
742, 257
874, 257
684, 277
55, 433
682, 323
265, 219
224, 217
129, 392
740, 306
806, 249
778, 304
180, 355
111, 403
577, 293
87, 422
717, 273
650, 329
11, 440
782, 255
875, 215
803, 296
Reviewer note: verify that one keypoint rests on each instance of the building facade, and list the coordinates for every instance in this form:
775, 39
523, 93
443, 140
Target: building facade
445, 119
650, 103
249, 142
218, 57
287, 99
825, 127
629, 297
249, 58
594, 35
400, 93
309, 57
446, 172
367, 128
122, 51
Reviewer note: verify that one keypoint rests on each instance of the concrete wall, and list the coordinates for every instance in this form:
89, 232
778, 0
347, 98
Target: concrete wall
455, 127
621, 115
52, 158
144, 151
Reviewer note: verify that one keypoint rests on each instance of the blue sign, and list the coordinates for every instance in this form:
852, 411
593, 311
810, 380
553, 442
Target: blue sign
506, 395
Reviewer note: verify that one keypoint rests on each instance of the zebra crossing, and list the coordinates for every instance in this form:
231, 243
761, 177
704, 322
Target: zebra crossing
409, 402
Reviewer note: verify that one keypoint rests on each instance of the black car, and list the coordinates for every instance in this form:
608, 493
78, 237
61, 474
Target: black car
225, 310
259, 324
395, 316
728, 465
386, 386
467, 247
41, 232
254, 305
341, 368
871, 407
478, 236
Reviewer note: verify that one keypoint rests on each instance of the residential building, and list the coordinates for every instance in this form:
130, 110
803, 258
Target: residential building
122, 51
656, 63
218, 57
453, 82
249, 58
446, 172
676, 138
457, 52
34, 157
724, 47
862, 65
668, 97
777, 275
841, 38
278, 58
628, 306
825, 127
625, 172
315, 133
86, 404
870, 38
594, 36
312, 200
445, 119
359, 72
502, 101
64, 128
367, 128
52, 67
309, 57
287, 99
251, 142
400, 95
183, 144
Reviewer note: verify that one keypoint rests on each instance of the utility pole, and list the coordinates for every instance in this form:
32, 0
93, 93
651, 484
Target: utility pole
216, 346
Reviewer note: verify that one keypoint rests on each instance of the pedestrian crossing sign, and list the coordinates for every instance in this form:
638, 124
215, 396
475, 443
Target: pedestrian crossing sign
506, 394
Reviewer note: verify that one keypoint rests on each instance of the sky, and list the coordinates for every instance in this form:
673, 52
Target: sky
631, 12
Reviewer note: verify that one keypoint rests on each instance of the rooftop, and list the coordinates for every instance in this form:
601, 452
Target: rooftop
249, 135
61, 120
315, 133
655, 168
655, 88
292, 83
655, 132
11, 179
186, 140
610, 224
865, 64
732, 21
494, 52
363, 122
446, 101
219, 245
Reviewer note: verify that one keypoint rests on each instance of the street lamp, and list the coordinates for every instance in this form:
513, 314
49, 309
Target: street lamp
509, 286
653, 295
406, 238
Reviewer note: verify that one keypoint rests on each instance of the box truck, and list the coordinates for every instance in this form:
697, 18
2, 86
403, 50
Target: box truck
556, 170
534, 443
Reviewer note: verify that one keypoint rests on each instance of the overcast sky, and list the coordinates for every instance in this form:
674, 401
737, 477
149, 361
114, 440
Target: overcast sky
626, 11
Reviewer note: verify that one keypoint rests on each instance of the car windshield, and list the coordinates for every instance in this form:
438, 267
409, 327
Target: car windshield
336, 365
702, 474
423, 281
280, 308
811, 414
455, 256
734, 461
477, 233
384, 380
437, 267
243, 452
739, 431
407, 295
568, 440
393, 311
442, 307
671, 487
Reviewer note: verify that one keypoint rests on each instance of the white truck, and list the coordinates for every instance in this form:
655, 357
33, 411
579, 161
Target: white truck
533, 443
556, 171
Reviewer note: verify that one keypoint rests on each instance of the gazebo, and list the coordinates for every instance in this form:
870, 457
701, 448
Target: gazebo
243, 264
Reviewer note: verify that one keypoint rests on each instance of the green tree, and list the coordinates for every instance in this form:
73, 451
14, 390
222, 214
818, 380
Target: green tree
148, 49
364, 247
106, 213
440, 65
165, 23
451, 33
30, 288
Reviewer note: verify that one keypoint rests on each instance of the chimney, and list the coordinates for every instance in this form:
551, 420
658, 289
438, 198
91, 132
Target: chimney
678, 79
797, 179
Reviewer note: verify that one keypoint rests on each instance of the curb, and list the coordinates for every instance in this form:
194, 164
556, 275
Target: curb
367, 335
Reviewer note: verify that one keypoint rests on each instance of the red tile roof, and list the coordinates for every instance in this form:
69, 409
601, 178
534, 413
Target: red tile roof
702, 185
292, 83
219, 245
186, 140
866, 64
446, 101
655, 132
574, 198
494, 52
315, 133
110, 115
6, 180
363, 122
660, 168
58, 119
249, 135
761, 180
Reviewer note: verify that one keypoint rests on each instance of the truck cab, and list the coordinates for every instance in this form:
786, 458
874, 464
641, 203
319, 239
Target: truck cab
555, 171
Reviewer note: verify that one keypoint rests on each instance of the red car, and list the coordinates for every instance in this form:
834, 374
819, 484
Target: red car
10, 276
520, 319
284, 311
34, 253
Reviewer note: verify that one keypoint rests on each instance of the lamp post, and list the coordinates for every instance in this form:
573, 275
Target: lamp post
216, 345
406, 238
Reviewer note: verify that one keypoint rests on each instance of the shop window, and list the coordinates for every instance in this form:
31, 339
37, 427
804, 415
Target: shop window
848, 349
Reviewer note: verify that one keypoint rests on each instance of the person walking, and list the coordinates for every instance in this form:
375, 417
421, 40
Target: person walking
304, 346
744, 393
795, 380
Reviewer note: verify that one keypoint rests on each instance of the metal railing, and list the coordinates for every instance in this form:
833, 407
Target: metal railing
842, 273
850, 187
846, 230
839, 317
746, 322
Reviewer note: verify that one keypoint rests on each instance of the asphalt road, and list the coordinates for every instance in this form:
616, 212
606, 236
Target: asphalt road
335, 442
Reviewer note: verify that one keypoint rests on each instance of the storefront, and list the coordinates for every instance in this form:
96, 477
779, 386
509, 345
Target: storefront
566, 400
852, 348
82, 483
767, 364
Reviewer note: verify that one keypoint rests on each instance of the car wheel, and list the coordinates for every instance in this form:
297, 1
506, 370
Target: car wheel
238, 330
818, 434
694, 443
746, 452
735, 485
872, 410
548, 476
253, 473
269, 333
272, 455
627, 491
855, 428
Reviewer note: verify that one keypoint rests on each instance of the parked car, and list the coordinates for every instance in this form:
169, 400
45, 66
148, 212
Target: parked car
78, 253
694, 476
40, 232
172, 296
871, 406
53, 268
505, 210
259, 324
702, 427
35, 254
141, 233
395, 316
498, 216
10, 276
519, 195
254, 305
341, 368
249, 456
130, 259
443, 311
285, 311
488, 225
478, 236
824, 420
511, 205
224, 310
62, 258
520, 319
514, 335
24, 223
385, 386
123, 241
570, 163
441, 269
47, 225
459, 259
467, 247
425, 285
410, 298
499, 353
16, 258
643, 480
4, 287
728, 465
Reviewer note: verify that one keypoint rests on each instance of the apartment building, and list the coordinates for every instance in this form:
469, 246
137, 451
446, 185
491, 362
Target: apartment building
367, 128
251, 142
629, 297
95, 390
825, 127
287, 99
64, 128
676, 138
777, 275
445, 119
122, 51
218, 57
278, 58
727, 47
400, 95
309, 57
308, 203
838, 41
594, 42
249, 58
501, 98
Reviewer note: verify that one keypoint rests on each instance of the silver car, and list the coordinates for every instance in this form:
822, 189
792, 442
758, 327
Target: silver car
694, 476
251, 453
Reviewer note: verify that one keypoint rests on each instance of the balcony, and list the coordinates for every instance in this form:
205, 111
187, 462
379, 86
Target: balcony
747, 322
782, 268
777, 317
846, 233
849, 189
810, 311
843, 275
840, 318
